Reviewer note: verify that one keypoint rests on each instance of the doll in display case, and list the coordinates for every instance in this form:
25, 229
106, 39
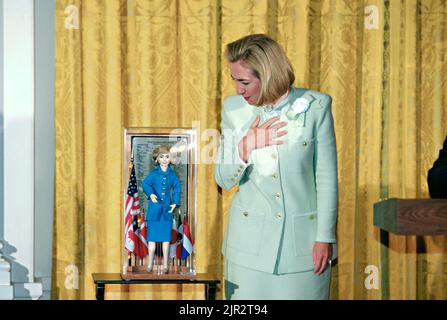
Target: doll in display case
162, 187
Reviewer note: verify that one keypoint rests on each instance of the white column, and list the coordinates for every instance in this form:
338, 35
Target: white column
44, 14
6, 289
18, 112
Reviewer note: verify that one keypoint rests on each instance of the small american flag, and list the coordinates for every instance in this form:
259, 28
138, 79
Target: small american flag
135, 228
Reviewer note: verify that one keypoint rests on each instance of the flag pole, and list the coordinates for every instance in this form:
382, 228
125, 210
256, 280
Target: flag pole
129, 173
129, 168
185, 222
187, 265
130, 163
190, 255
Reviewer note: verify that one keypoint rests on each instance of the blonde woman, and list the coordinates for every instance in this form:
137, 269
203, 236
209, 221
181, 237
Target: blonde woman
278, 147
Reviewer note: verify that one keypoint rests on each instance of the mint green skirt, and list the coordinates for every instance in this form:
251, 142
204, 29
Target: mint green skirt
247, 284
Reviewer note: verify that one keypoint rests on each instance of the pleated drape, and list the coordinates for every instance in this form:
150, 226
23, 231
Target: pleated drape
160, 63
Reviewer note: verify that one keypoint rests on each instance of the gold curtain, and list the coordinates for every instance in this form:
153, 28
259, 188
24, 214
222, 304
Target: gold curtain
160, 63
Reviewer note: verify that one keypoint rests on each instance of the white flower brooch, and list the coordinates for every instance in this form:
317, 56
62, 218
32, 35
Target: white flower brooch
296, 111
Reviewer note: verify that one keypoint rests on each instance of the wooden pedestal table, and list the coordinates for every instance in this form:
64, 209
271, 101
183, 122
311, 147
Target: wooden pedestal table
101, 279
410, 217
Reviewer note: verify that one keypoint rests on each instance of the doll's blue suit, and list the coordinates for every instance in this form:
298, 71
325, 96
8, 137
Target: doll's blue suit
166, 186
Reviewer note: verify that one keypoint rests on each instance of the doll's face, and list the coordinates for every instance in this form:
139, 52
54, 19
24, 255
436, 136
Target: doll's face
164, 159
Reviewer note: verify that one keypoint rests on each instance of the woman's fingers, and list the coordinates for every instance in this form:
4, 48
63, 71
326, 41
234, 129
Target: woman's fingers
323, 265
281, 133
255, 123
269, 122
320, 264
275, 135
263, 135
278, 125
317, 265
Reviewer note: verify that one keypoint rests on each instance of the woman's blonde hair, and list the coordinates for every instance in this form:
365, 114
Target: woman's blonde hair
268, 62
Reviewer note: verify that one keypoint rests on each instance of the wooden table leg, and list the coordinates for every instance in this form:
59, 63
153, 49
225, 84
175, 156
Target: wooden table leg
210, 291
100, 289
384, 264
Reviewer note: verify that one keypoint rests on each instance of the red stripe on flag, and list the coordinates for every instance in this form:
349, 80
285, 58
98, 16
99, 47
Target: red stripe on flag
135, 240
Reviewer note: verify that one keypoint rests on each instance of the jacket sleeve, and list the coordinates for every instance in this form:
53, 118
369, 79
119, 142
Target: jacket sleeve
229, 167
326, 174
176, 190
147, 185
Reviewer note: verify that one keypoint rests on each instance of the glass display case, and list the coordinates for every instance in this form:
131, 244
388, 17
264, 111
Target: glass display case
159, 203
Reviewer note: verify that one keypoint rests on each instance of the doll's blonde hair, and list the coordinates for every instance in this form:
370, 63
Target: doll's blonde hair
268, 62
160, 149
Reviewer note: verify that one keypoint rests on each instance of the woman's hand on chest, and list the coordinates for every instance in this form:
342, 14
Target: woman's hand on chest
260, 136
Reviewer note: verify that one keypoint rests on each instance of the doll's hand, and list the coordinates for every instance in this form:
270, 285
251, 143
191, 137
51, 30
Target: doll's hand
172, 208
154, 198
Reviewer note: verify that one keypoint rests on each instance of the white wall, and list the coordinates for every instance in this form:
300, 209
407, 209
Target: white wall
27, 142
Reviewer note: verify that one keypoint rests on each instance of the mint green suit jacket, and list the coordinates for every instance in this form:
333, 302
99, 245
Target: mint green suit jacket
288, 194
